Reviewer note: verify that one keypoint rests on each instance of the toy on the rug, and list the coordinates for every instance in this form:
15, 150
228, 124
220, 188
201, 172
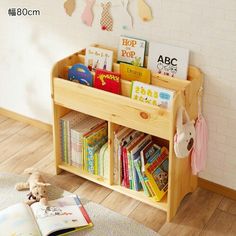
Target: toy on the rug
37, 186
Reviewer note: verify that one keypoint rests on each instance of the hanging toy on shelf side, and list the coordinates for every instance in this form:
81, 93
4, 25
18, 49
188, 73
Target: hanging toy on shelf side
199, 153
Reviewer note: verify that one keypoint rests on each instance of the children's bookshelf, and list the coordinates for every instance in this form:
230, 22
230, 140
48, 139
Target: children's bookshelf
122, 110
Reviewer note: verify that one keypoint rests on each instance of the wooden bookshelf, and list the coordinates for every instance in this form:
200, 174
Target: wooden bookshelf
121, 110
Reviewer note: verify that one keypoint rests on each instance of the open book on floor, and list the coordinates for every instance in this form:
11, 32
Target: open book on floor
61, 217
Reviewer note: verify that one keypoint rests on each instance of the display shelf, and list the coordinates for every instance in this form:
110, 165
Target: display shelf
121, 110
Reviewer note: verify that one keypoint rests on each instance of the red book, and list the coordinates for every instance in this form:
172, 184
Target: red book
108, 81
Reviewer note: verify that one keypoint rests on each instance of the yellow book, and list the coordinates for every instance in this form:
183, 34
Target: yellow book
157, 174
135, 73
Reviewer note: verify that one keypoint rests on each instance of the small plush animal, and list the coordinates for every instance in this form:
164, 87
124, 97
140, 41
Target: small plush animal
37, 187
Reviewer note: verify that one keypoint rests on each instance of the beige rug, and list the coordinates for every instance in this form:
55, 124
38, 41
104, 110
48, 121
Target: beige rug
106, 222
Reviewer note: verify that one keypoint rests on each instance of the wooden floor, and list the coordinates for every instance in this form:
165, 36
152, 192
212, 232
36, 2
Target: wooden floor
201, 213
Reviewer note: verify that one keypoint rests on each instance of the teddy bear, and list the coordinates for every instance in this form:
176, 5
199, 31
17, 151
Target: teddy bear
37, 187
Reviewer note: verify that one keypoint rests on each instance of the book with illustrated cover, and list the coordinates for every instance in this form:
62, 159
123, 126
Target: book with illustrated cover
152, 94
98, 58
81, 74
157, 174
60, 217
67, 122
135, 73
77, 134
168, 60
131, 51
107, 81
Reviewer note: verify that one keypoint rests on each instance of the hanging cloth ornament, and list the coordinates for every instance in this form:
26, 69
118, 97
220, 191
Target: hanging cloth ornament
106, 21
69, 6
87, 16
126, 20
144, 11
199, 152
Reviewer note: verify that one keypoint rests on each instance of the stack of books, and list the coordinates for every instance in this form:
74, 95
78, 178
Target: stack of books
83, 142
140, 163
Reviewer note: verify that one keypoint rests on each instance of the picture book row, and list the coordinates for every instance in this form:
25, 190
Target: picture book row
139, 162
162, 59
84, 143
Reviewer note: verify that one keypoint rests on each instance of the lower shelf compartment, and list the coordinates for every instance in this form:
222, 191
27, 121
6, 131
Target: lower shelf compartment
99, 180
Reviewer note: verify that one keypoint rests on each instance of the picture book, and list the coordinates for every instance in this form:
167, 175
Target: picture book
66, 123
134, 154
137, 165
118, 136
132, 51
77, 134
107, 81
135, 73
157, 174
168, 60
92, 142
98, 58
152, 94
61, 217
150, 152
81, 74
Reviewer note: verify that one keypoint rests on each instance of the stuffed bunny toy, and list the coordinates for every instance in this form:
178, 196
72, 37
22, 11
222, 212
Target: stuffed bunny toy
37, 187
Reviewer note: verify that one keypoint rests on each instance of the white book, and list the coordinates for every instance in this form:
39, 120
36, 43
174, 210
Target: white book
71, 119
60, 217
152, 94
98, 58
168, 60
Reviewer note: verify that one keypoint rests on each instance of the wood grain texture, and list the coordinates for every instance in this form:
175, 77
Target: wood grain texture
193, 214
228, 205
93, 191
29, 155
19, 140
2, 118
148, 216
217, 188
120, 203
26, 120
8, 127
220, 224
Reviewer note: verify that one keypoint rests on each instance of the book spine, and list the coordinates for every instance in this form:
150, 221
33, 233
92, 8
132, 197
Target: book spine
62, 140
65, 142
131, 179
96, 163
149, 187
126, 170
90, 159
116, 162
137, 166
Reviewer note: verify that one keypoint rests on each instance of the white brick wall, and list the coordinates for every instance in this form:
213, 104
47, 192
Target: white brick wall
206, 27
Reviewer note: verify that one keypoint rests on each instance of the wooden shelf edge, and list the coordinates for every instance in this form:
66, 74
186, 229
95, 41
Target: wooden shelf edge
162, 205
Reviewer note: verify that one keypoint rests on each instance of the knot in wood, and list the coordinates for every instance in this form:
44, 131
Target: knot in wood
144, 115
